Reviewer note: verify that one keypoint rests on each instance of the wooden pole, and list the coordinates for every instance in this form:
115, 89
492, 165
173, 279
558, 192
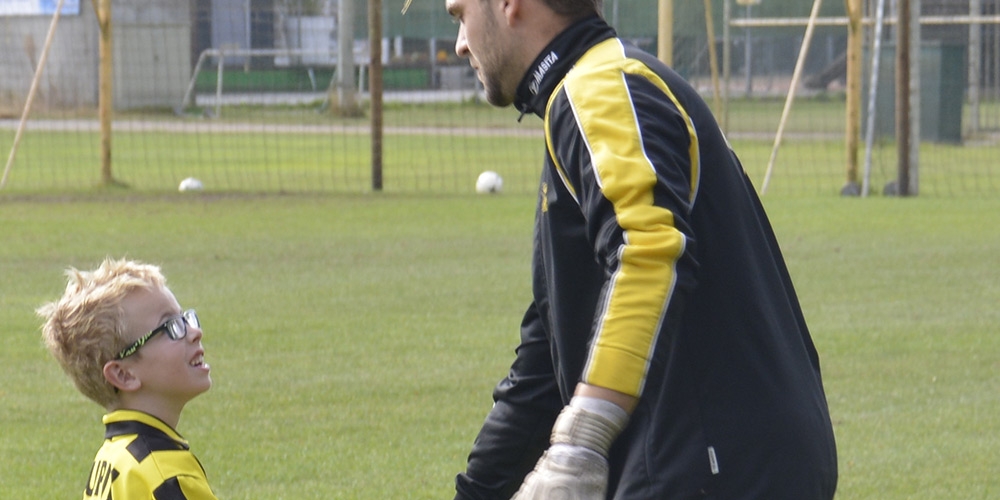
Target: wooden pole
105, 100
727, 61
665, 32
713, 59
375, 87
31, 92
913, 173
903, 96
975, 39
796, 74
855, 44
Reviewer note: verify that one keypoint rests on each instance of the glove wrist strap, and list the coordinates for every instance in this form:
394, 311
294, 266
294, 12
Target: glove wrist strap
591, 423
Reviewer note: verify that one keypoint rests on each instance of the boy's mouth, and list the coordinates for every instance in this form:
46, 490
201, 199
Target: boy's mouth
198, 360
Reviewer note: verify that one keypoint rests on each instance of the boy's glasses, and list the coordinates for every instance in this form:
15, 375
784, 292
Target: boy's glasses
176, 328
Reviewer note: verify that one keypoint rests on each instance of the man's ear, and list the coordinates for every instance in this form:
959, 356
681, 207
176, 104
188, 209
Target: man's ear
511, 10
120, 376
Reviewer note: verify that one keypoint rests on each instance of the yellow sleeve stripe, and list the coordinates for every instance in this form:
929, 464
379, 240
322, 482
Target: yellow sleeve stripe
640, 288
631, 66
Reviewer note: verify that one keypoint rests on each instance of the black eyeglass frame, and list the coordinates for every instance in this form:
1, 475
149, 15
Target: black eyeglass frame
176, 328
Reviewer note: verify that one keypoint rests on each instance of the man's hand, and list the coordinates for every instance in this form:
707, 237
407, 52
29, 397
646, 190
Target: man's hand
566, 472
575, 467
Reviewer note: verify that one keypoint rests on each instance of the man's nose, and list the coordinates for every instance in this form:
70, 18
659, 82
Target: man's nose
461, 43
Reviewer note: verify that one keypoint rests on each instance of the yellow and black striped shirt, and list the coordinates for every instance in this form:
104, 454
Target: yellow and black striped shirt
144, 458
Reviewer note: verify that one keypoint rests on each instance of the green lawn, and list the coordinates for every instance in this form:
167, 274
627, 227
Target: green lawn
355, 339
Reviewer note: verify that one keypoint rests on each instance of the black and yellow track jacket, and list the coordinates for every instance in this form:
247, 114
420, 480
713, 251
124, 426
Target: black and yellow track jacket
656, 274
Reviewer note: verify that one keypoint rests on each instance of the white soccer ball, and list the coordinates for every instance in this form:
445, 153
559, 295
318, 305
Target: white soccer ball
190, 184
489, 182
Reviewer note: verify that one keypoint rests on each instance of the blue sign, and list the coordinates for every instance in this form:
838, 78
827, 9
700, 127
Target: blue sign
37, 7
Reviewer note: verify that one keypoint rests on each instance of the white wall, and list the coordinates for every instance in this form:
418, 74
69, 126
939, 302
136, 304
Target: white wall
151, 49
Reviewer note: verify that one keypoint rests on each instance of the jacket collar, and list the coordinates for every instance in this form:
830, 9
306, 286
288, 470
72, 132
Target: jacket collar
555, 61
124, 422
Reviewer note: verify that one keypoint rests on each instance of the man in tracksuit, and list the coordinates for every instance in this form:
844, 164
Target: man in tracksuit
664, 355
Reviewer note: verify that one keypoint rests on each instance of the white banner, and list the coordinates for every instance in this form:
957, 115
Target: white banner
37, 7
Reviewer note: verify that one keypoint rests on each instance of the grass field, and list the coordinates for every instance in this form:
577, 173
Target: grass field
354, 339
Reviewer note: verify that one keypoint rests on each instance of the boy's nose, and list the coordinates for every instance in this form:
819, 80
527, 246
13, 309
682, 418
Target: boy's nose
194, 333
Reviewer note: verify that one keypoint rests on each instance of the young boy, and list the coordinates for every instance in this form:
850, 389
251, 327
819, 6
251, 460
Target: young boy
121, 336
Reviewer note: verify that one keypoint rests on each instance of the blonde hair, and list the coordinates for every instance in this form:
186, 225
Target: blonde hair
85, 328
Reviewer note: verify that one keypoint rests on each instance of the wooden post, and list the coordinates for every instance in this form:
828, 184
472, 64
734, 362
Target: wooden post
903, 97
665, 32
855, 43
375, 87
975, 54
726, 64
105, 97
913, 173
713, 59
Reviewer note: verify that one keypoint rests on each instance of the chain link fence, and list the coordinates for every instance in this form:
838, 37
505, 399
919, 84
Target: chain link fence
271, 95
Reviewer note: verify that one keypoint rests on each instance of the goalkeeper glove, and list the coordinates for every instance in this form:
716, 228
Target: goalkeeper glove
575, 467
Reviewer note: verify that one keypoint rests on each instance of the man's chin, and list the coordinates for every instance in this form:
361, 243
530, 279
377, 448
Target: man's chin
497, 98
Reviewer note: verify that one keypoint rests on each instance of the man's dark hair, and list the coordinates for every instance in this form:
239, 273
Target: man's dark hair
575, 8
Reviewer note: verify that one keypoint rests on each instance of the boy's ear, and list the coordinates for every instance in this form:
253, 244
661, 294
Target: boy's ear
120, 376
